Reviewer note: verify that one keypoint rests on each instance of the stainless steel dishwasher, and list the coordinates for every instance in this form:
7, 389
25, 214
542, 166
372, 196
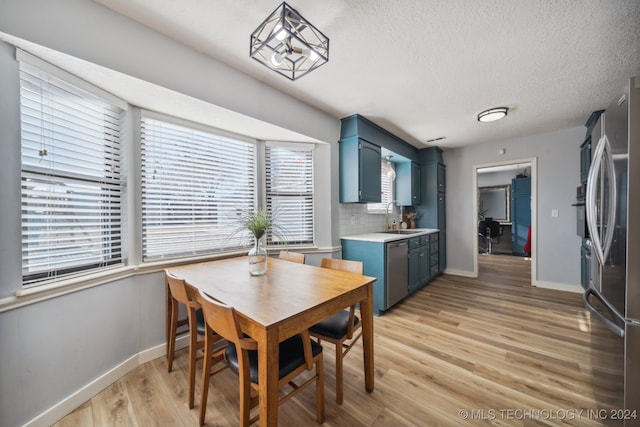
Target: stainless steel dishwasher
397, 271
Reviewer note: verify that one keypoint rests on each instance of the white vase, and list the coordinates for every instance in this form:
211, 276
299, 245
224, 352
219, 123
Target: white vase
257, 259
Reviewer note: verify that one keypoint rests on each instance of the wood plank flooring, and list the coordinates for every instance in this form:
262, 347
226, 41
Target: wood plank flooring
461, 351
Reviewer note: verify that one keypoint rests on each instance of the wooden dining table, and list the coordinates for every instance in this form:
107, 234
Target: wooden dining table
286, 300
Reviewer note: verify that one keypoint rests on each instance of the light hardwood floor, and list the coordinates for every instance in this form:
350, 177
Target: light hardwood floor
492, 345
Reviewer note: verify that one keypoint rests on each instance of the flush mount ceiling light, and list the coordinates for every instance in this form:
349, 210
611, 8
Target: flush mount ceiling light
493, 114
288, 44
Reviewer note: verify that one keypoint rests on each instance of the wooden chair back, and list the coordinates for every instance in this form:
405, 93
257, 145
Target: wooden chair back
222, 318
291, 256
343, 265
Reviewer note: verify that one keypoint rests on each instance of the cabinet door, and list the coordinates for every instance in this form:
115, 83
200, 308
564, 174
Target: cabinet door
442, 203
442, 182
414, 269
520, 213
369, 172
585, 159
425, 265
360, 169
408, 185
416, 184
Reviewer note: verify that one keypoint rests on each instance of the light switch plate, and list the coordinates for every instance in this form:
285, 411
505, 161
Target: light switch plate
554, 213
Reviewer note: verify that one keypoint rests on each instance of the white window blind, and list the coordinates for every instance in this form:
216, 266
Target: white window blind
195, 185
71, 179
386, 188
289, 193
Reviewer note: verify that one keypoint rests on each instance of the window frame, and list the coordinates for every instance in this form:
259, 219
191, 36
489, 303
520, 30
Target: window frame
282, 236
91, 194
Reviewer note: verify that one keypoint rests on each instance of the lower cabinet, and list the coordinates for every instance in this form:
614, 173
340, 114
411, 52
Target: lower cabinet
423, 264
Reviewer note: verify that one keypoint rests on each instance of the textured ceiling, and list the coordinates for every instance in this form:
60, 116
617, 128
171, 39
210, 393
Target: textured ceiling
424, 68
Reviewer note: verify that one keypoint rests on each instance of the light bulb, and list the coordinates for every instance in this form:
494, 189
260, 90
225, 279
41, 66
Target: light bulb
313, 55
276, 59
281, 33
391, 174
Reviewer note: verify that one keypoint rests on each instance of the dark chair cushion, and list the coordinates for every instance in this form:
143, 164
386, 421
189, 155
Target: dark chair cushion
291, 357
200, 322
335, 326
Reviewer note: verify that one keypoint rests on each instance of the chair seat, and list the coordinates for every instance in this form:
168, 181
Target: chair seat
291, 357
335, 326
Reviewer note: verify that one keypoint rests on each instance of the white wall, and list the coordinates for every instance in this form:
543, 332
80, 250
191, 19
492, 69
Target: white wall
50, 350
558, 246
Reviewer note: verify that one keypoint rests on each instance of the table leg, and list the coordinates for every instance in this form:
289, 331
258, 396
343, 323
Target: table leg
366, 311
168, 307
268, 356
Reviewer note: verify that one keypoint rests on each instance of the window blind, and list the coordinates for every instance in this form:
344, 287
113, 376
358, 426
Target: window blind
289, 193
386, 188
71, 191
195, 186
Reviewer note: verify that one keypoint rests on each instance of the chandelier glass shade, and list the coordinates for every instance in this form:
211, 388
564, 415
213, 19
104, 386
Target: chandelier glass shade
289, 44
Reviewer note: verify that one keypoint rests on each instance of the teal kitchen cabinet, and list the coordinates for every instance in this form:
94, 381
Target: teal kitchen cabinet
372, 255
432, 209
408, 183
520, 213
360, 169
419, 266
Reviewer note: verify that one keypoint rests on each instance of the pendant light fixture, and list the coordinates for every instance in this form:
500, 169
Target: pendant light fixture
289, 44
493, 114
391, 173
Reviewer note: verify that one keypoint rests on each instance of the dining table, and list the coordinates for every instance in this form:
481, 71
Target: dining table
289, 298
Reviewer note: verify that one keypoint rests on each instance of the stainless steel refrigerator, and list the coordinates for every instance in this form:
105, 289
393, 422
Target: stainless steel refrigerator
613, 218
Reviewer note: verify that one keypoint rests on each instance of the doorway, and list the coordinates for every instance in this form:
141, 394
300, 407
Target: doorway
492, 198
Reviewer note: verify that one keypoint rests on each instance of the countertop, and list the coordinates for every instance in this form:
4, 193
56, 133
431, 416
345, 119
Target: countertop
382, 237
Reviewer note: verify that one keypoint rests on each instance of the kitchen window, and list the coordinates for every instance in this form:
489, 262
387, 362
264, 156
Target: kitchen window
196, 183
289, 192
71, 181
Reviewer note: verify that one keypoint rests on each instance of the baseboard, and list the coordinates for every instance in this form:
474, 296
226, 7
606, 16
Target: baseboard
70, 403
462, 273
559, 286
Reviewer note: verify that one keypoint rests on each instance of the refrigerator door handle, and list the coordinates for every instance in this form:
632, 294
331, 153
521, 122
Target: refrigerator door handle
591, 202
611, 325
613, 200
601, 243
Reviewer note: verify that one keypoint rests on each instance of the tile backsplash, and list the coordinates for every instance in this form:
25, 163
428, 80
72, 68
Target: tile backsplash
354, 219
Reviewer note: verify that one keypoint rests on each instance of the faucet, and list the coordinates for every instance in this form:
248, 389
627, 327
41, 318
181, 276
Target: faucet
386, 214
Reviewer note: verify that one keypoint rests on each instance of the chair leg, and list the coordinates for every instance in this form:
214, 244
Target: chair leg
245, 397
172, 335
339, 373
206, 375
192, 365
320, 389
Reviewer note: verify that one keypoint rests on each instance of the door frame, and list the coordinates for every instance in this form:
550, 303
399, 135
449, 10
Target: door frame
534, 209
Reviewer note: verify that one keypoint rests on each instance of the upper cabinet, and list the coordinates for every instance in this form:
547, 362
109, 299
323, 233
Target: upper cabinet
359, 171
594, 133
408, 183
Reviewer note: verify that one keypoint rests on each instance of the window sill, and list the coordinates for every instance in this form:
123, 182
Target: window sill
35, 294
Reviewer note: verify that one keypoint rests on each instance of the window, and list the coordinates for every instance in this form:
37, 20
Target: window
289, 192
71, 182
386, 188
195, 184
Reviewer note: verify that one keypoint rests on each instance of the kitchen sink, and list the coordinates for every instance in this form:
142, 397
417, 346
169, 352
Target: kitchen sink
403, 231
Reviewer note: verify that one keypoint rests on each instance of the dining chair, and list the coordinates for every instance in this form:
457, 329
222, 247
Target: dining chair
291, 256
183, 293
339, 328
297, 354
